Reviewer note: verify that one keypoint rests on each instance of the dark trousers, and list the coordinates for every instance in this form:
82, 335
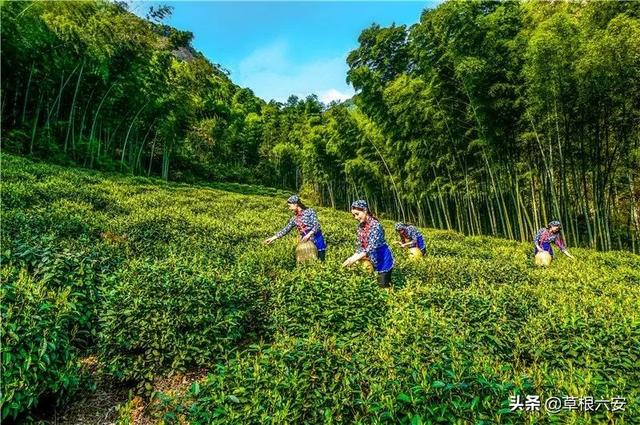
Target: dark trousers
384, 279
321, 255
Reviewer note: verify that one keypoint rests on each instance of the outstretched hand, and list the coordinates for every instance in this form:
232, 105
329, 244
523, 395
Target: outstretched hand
349, 261
269, 240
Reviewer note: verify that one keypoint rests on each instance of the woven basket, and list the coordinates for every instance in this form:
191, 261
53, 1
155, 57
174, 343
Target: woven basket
306, 251
415, 252
366, 265
543, 259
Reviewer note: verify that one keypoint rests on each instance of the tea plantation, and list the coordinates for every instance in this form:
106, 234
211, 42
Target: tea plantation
154, 279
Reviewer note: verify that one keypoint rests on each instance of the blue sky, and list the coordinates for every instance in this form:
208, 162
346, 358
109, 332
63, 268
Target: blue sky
282, 48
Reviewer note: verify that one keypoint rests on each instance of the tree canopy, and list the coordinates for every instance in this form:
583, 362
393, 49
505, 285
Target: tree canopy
484, 117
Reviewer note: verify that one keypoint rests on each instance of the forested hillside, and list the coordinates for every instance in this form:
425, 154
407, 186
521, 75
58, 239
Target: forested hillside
484, 117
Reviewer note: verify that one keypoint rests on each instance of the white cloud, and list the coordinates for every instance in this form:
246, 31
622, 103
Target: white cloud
269, 58
271, 73
333, 94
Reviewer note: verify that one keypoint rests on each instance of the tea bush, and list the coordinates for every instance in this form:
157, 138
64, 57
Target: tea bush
157, 278
292, 381
327, 300
37, 355
320, 379
67, 266
159, 316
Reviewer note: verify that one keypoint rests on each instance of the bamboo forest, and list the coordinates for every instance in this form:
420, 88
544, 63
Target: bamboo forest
143, 189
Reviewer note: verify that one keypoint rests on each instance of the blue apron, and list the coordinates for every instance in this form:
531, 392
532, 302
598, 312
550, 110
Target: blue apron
318, 240
545, 246
382, 259
421, 244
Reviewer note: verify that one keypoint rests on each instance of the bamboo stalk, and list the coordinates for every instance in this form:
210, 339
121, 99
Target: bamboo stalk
73, 106
26, 95
82, 121
95, 115
35, 124
126, 139
153, 145
137, 163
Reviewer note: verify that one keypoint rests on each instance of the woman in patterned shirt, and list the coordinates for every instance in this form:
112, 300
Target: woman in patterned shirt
410, 237
306, 220
371, 243
548, 235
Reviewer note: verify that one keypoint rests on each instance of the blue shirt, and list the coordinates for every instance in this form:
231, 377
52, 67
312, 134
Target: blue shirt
306, 221
411, 233
371, 241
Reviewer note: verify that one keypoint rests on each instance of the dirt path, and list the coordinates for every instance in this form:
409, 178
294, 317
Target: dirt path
101, 407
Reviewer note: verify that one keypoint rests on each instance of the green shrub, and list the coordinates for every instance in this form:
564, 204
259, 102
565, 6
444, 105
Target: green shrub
329, 380
78, 267
169, 315
173, 277
328, 299
292, 381
64, 219
18, 194
37, 354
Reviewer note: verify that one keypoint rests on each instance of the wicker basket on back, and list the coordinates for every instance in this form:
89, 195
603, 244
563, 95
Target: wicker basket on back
306, 251
366, 264
543, 259
415, 252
